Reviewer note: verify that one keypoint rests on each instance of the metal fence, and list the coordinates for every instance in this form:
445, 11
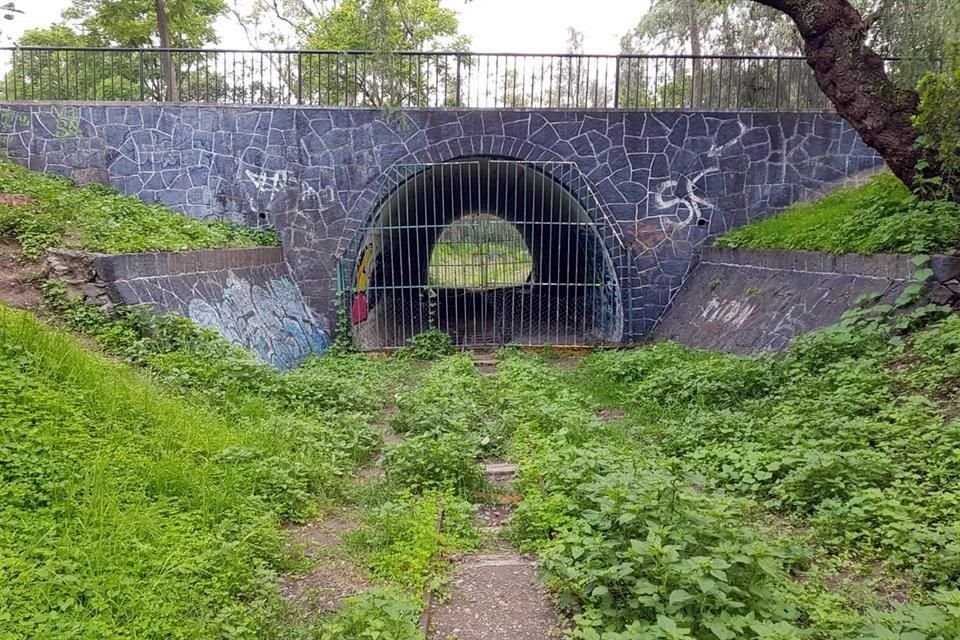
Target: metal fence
491, 252
451, 79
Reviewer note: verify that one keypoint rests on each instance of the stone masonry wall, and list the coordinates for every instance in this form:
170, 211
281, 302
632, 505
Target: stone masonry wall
247, 295
664, 181
743, 301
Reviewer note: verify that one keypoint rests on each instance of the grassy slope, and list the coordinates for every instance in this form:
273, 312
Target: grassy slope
846, 447
879, 217
130, 509
96, 218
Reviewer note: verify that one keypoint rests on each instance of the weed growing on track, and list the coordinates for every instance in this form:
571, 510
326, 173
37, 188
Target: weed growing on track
401, 544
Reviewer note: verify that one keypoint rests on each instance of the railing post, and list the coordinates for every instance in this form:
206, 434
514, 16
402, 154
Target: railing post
779, 79
142, 88
300, 77
616, 83
458, 82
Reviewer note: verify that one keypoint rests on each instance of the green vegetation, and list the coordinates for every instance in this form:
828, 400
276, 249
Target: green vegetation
96, 218
772, 497
127, 511
479, 266
480, 251
402, 544
879, 217
939, 125
812, 494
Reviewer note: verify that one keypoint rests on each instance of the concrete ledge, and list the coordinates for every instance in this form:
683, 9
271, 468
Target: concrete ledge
131, 266
887, 266
748, 301
247, 295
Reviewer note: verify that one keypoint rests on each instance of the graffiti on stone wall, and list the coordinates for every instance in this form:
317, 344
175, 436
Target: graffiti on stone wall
606, 312
269, 184
67, 122
685, 193
269, 319
10, 122
732, 312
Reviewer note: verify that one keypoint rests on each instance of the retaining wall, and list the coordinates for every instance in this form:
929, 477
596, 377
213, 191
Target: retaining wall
744, 301
247, 295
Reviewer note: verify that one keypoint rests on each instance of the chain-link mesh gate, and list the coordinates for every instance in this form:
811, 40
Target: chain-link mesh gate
491, 252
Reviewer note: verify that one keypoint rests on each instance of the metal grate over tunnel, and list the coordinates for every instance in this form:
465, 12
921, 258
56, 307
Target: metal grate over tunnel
492, 252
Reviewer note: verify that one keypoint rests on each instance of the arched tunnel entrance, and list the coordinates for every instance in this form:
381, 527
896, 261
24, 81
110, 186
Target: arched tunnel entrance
492, 252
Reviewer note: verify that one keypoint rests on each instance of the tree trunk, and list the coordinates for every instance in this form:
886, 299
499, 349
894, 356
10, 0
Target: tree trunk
696, 49
166, 59
852, 75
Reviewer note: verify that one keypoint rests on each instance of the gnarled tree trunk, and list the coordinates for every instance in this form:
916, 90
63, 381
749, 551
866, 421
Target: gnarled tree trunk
852, 75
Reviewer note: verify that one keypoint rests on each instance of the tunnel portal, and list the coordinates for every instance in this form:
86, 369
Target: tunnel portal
492, 252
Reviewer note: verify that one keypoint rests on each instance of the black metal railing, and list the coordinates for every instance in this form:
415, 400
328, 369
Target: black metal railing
448, 79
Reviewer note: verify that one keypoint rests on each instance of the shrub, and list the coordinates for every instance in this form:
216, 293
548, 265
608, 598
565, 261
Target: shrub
436, 461
377, 614
939, 123
400, 542
429, 345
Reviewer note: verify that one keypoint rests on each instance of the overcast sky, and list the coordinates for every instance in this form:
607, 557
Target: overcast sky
524, 26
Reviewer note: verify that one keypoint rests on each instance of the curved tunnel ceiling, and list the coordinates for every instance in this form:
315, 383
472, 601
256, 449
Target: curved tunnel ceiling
411, 219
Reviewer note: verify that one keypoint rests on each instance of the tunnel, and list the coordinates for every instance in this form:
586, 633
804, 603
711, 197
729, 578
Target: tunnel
491, 252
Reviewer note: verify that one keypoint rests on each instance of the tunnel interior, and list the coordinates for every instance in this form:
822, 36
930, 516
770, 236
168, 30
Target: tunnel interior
491, 252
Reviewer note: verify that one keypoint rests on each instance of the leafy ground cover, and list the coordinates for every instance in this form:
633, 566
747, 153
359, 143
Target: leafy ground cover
179, 476
811, 494
49, 211
879, 217
806, 496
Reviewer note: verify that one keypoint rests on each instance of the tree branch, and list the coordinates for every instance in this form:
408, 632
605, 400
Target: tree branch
854, 77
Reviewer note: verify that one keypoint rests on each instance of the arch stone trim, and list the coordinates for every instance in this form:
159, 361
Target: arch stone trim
466, 147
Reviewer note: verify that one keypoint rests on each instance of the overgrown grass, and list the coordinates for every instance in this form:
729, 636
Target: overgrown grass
879, 217
127, 511
301, 435
795, 496
97, 218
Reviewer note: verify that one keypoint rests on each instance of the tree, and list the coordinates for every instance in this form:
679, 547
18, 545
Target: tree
163, 30
854, 78
120, 75
704, 30
384, 78
134, 23
737, 27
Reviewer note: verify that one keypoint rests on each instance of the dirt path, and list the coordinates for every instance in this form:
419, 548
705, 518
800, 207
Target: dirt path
19, 280
334, 575
494, 593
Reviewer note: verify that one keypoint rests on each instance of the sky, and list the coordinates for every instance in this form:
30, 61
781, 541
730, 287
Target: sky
521, 26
